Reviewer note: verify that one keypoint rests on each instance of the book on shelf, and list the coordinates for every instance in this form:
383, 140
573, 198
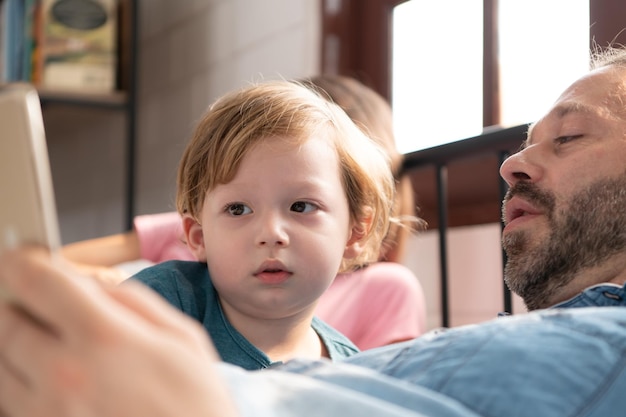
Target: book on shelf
78, 45
60, 45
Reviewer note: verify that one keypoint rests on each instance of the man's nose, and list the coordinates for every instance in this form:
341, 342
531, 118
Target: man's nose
522, 166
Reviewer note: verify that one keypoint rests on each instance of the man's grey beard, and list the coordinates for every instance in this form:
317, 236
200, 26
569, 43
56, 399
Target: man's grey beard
590, 230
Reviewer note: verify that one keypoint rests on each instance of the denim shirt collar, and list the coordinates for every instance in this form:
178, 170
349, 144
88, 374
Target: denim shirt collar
600, 295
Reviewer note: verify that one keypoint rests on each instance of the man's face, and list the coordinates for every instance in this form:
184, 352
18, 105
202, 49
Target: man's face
565, 211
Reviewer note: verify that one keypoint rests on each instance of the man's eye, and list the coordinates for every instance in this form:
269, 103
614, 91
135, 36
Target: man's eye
238, 209
303, 207
564, 139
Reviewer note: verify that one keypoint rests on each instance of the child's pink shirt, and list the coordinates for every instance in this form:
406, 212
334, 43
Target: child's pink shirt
161, 237
375, 306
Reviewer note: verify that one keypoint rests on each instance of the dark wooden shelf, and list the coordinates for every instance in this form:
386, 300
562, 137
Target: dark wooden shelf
117, 99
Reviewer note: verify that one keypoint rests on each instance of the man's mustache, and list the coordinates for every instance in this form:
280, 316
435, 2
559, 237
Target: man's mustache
528, 191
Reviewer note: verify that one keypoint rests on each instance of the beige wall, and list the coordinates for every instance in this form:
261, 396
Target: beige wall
475, 284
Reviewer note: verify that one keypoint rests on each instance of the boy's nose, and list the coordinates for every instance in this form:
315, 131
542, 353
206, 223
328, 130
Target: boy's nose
272, 231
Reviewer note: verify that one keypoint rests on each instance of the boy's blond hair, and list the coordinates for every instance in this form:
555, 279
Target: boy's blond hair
284, 110
372, 113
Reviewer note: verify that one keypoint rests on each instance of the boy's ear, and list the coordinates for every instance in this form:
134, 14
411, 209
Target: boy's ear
194, 237
355, 244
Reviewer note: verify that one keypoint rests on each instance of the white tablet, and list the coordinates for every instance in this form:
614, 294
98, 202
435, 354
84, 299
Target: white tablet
27, 208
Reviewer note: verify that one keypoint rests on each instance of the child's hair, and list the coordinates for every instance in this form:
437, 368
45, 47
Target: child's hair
372, 113
288, 111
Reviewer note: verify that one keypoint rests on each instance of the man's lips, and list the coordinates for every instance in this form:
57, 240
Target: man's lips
517, 210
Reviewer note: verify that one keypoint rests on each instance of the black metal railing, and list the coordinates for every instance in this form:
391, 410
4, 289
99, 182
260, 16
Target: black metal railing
495, 141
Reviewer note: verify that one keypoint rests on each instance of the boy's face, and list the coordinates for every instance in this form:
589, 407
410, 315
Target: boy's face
274, 236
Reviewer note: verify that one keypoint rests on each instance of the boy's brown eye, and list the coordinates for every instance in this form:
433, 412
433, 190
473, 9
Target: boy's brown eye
298, 206
237, 209
302, 207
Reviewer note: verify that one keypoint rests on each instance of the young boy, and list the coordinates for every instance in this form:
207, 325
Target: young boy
279, 191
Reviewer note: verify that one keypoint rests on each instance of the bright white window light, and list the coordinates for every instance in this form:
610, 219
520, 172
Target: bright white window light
437, 64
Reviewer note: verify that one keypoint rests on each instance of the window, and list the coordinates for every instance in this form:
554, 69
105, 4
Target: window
438, 65
437, 72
